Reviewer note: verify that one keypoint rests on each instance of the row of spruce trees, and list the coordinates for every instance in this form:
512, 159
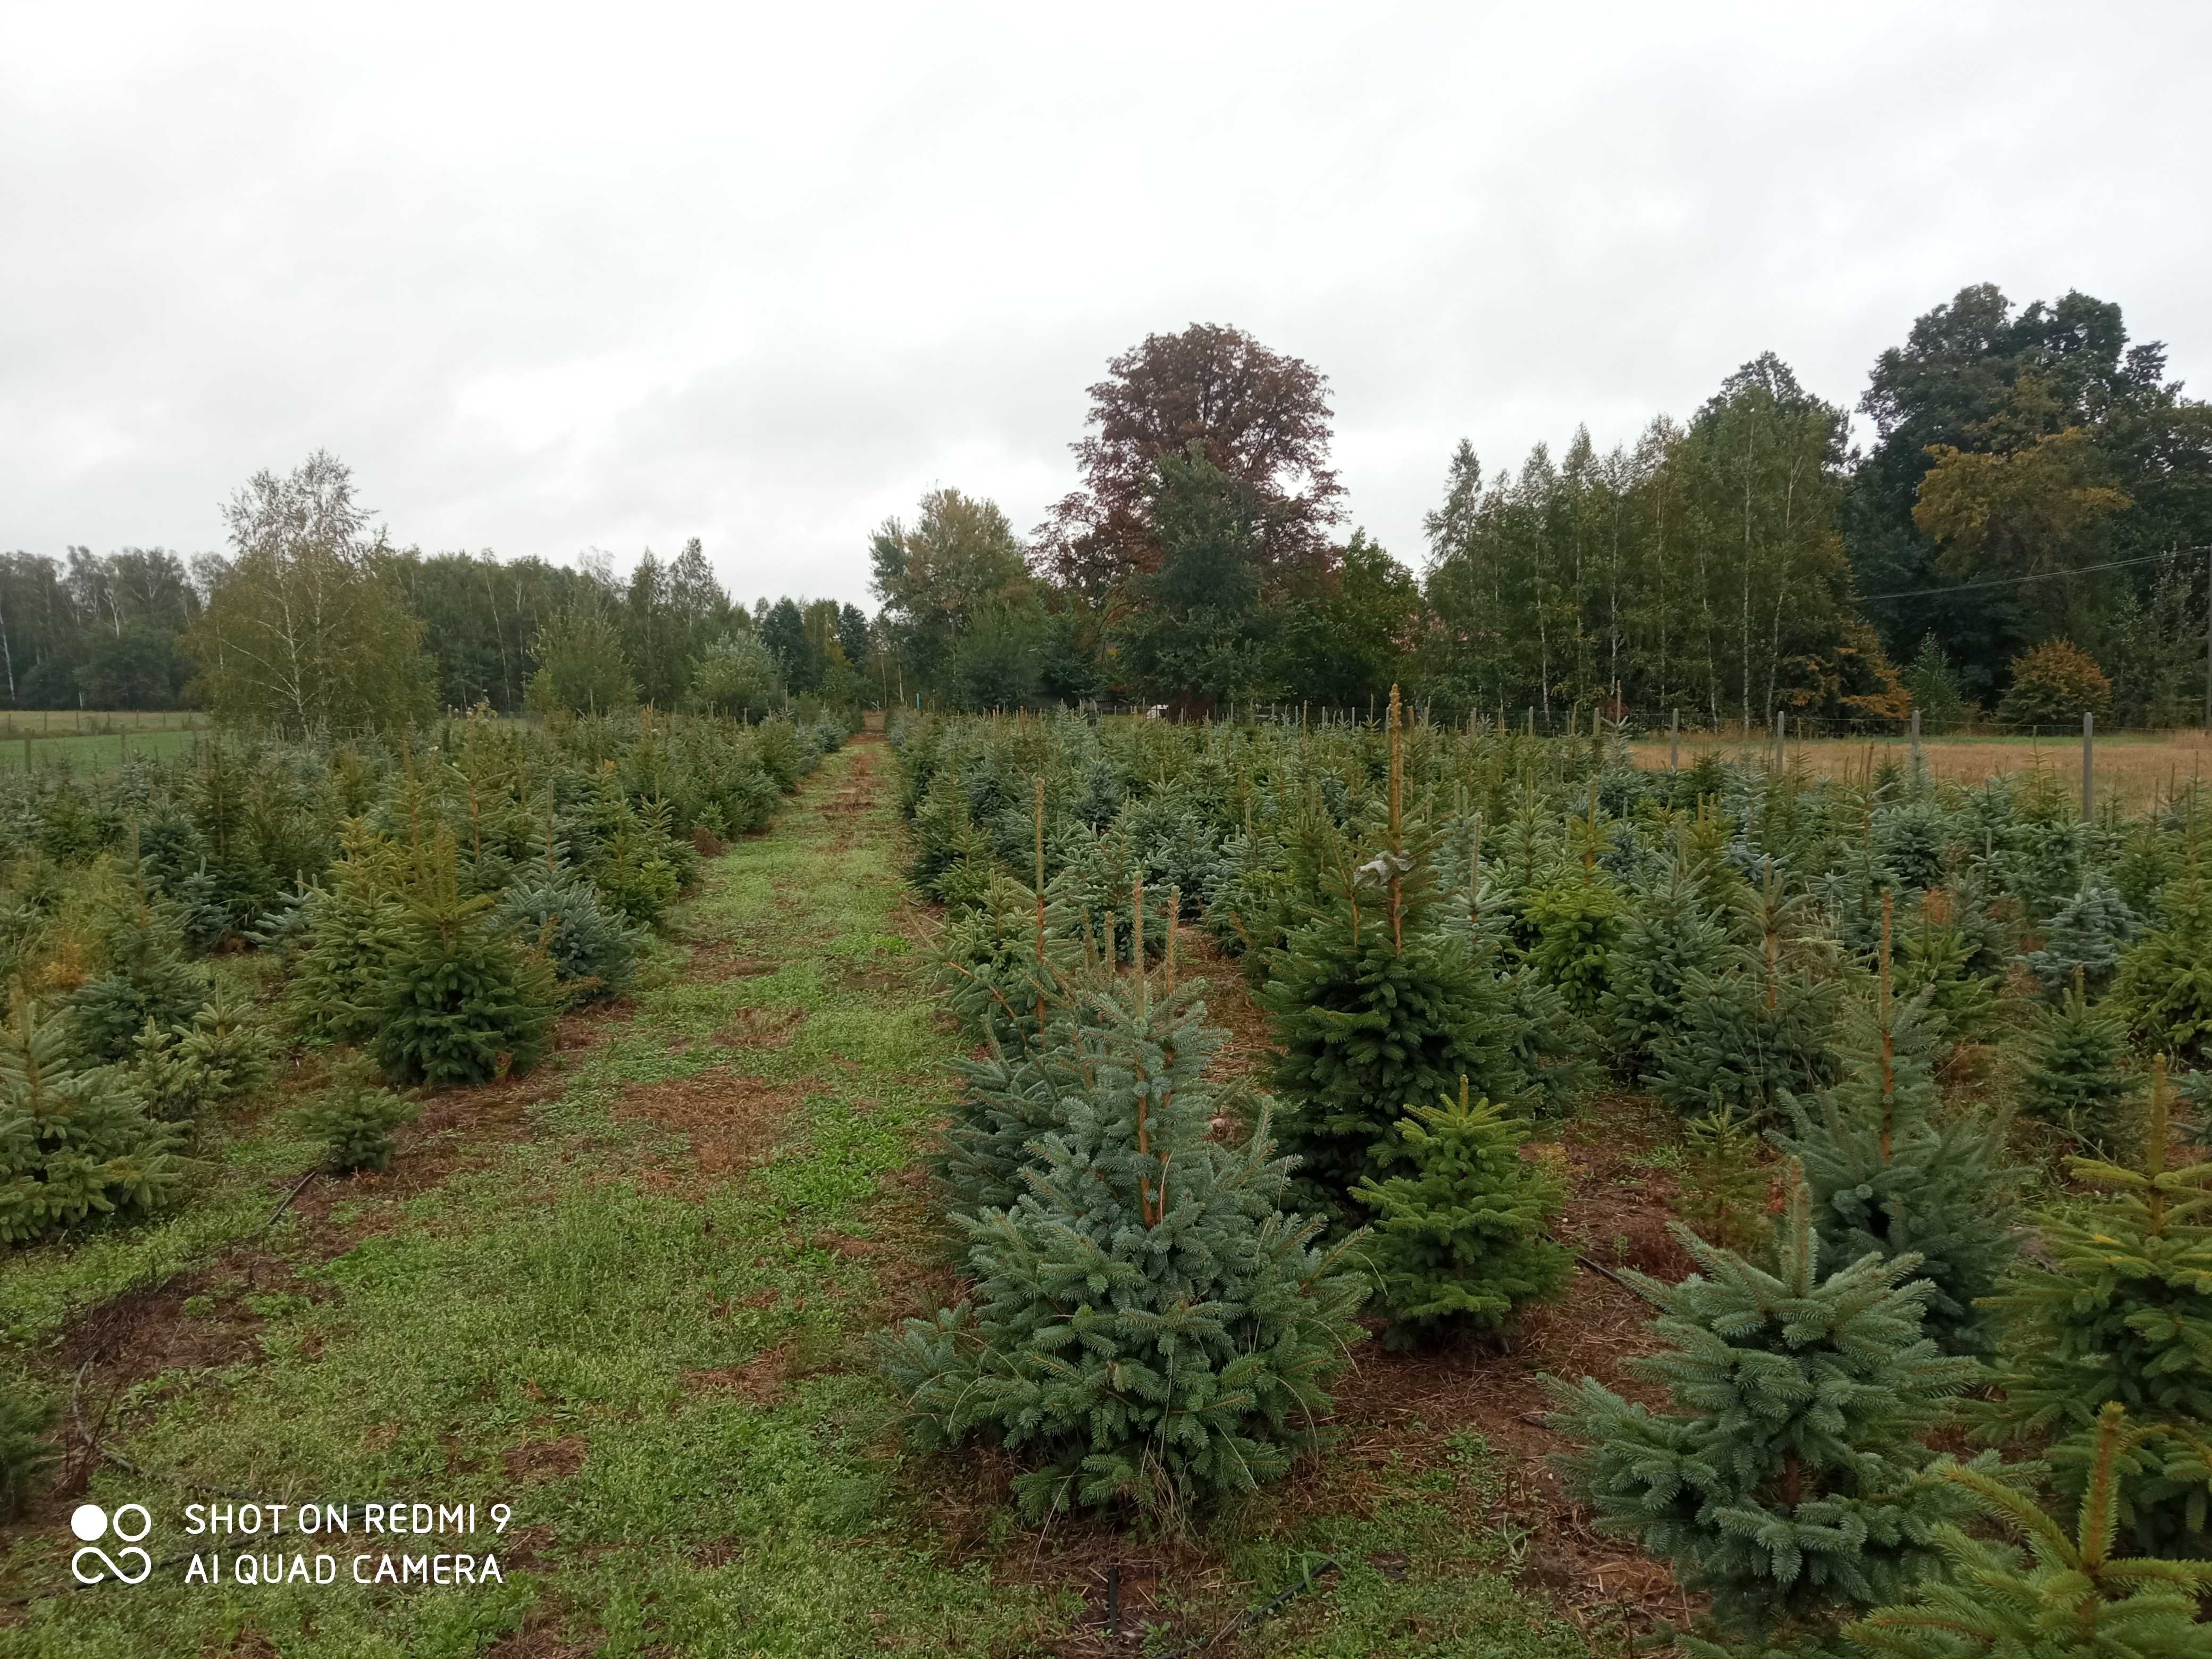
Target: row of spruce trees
1766, 951
421, 914
1791, 1479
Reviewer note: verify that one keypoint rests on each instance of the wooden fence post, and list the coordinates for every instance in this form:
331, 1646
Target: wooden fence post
1674, 741
1916, 745
2088, 772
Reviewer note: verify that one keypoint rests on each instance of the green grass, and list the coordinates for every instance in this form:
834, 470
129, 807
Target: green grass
87, 752
568, 1292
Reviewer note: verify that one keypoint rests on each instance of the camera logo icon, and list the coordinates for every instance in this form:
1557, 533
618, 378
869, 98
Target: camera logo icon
91, 1523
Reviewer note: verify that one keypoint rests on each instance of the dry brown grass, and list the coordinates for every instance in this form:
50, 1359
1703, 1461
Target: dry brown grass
2137, 769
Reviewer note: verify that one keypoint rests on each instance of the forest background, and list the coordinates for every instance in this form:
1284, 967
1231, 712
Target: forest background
2027, 533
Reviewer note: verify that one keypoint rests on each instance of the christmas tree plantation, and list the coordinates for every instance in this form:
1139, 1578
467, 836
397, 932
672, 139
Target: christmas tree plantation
1147, 1326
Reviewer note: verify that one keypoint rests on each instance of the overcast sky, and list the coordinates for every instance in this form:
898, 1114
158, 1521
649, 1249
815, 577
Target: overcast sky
554, 279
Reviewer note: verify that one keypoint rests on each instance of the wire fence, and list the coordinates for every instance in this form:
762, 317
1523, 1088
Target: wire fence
15, 723
1637, 726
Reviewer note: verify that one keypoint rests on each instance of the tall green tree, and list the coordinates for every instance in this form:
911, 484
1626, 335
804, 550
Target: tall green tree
958, 563
581, 666
737, 675
1345, 642
797, 655
1194, 631
308, 631
1702, 569
656, 638
1761, 466
2012, 439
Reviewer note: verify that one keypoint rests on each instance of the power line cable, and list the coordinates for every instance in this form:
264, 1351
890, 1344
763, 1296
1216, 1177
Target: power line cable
2040, 576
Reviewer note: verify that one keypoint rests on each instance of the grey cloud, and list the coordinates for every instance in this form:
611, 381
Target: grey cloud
617, 278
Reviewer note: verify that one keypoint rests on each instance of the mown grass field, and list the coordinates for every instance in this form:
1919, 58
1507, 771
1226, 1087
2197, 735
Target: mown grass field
632, 1295
2133, 768
94, 739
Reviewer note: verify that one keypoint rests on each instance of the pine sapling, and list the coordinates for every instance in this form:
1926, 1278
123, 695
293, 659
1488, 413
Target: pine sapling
2086, 940
1723, 1197
354, 1118
27, 1416
459, 1000
1759, 1024
2164, 978
1374, 1006
146, 978
74, 1144
1667, 934
1576, 925
1937, 965
1147, 1327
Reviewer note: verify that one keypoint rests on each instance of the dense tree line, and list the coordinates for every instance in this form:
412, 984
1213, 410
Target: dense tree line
103, 630
2036, 490
313, 621
2031, 465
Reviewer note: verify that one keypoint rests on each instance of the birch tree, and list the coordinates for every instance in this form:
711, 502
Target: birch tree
307, 631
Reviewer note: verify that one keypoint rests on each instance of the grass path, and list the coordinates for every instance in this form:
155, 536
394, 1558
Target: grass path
638, 1321
631, 1297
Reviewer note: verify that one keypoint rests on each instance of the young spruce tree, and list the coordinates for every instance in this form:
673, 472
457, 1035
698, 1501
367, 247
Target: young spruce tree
1670, 933
2070, 1598
2122, 1316
1374, 1007
1147, 1327
1781, 1482
1466, 1237
1756, 1024
147, 978
458, 1000
354, 1118
73, 1144
2164, 978
2073, 1073
26, 1418
1723, 1185
2086, 938
1887, 1174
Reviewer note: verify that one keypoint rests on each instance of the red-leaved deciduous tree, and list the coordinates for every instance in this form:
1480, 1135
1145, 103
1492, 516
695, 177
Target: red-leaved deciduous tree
1258, 416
